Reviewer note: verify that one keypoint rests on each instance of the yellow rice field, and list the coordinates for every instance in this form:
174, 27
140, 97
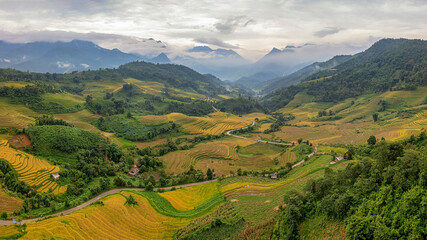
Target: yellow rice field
189, 197
114, 220
7, 231
214, 123
8, 203
31, 170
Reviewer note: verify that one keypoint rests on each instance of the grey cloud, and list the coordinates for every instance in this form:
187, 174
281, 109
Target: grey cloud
216, 42
232, 23
327, 31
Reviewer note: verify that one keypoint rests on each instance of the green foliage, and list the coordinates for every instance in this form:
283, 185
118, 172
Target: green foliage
384, 199
131, 201
372, 140
49, 120
49, 139
10, 178
132, 129
279, 122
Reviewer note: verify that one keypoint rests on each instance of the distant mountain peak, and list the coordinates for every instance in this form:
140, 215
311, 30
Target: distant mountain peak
205, 49
161, 58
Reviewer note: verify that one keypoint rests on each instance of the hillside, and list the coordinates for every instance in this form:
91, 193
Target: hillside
389, 64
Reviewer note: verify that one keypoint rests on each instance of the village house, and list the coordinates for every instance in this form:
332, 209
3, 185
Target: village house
133, 171
55, 176
273, 176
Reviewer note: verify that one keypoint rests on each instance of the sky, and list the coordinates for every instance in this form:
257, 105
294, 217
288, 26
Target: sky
251, 28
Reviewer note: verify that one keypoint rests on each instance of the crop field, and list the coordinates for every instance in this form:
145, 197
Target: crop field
257, 199
260, 116
15, 84
328, 149
81, 119
65, 99
186, 198
214, 124
34, 171
156, 88
222, 156
8, 203
15, 115
154, 217
354, 123
319, 227
98, 89
8, 232
153, 119
113, 220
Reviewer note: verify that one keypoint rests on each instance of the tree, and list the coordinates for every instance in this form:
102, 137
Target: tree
209, 174
372, 140
276, 161
131, 201
375, 117
239, 172
149, 187
300, 141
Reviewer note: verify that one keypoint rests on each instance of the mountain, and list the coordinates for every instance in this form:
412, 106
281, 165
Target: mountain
223, 63
161, 58
389, 64
298, 76
60, 57
172, 75
255, 81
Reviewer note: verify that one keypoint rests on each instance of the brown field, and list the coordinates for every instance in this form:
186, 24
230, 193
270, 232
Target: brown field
221, 156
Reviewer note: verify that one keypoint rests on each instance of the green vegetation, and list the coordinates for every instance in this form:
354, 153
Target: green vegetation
240, 105
132, 129
49, 139
380, 199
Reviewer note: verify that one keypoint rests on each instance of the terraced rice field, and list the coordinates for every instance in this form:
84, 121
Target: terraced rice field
15, 84
31, 170
8, 203
15, 115
186, 198
114, 220
154, 217
257, 199
180, 161
214, 124
6, 232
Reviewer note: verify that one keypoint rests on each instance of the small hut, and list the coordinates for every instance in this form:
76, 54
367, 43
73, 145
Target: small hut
55, 176
133, 171
273, 176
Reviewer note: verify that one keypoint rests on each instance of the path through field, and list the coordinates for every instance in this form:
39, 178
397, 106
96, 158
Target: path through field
102, 195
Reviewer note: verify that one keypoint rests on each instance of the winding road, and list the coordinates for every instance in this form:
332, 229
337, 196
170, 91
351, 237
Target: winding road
100, 196
117, 190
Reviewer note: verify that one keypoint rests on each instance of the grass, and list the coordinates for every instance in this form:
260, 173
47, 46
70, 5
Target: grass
15, 115
15, 84
9, 203
34, 171
65, 99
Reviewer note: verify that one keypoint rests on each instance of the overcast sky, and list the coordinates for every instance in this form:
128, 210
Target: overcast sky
251, 28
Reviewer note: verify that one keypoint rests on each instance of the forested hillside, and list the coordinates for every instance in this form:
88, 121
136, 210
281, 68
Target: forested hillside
389, 64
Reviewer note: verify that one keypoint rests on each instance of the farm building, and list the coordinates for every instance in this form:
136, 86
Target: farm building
339, 158
55, 176
133, 171
273, 176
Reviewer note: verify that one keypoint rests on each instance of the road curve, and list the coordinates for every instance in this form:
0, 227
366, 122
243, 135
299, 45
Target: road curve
102, 195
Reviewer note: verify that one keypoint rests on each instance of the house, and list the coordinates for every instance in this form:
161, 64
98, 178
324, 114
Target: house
133, 171
278, 140
55, 176
339, 158
273, 176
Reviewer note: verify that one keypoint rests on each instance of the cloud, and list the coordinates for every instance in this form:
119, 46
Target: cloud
232, 23
216, 42
327, 31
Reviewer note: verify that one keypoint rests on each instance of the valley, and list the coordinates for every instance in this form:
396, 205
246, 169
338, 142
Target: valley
160, 151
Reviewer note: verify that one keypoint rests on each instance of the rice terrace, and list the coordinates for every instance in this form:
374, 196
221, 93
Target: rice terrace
225, 120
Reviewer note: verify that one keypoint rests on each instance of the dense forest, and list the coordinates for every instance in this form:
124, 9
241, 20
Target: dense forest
390, 64
384, 198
